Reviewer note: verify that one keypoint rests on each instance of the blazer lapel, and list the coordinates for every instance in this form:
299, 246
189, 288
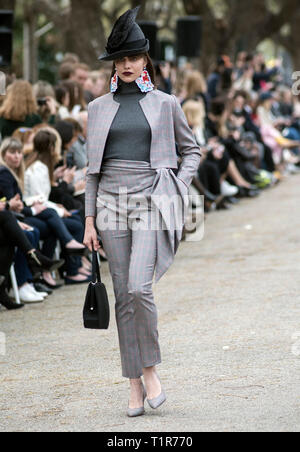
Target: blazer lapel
147, 107
107, 113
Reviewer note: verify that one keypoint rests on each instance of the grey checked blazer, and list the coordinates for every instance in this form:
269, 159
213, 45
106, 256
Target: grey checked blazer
168, 125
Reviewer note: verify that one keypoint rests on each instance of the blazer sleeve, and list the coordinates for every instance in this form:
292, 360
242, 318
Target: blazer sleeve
91, 179
187, 146
7, 183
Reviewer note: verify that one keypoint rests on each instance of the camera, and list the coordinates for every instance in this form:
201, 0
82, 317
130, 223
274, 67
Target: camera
41, 101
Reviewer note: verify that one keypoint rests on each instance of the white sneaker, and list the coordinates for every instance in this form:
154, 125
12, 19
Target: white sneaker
228, 189
26, 295
292, 169
35, 292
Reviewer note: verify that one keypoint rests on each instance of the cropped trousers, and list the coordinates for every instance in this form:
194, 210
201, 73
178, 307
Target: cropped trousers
131, 252
140, 217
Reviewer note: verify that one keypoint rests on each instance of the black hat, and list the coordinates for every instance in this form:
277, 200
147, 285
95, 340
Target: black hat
126, 38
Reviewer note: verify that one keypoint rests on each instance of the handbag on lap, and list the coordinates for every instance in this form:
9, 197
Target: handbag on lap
96, 306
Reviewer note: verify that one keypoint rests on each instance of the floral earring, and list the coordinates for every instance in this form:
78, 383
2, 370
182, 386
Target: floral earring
144, 81
114, 83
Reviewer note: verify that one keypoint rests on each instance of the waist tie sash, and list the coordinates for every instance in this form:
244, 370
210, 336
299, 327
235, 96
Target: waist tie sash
163, 185
173, 214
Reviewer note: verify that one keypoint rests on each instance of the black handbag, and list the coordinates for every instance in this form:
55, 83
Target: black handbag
96, 306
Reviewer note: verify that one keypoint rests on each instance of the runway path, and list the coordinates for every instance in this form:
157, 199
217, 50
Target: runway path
229, 331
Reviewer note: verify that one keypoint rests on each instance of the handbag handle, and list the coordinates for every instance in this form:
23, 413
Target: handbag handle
95, 268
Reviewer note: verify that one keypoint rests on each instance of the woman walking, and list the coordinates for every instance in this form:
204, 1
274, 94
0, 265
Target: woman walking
131, 145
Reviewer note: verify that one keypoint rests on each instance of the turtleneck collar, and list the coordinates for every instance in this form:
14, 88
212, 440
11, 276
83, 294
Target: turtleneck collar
128, 88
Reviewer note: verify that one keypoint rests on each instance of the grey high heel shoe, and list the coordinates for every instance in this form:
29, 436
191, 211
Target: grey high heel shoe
133, 412
159, 400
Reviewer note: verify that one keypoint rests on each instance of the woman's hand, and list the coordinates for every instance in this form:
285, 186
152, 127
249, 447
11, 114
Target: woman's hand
80, 185
59, 172
24, 226
51, 104
2, 206
69, 174
15, 204
90, 235
67, 214
39, 207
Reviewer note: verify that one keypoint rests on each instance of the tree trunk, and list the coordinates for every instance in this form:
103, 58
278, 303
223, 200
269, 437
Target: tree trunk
30, 67
85, 35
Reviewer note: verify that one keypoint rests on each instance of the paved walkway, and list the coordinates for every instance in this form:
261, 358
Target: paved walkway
229, 331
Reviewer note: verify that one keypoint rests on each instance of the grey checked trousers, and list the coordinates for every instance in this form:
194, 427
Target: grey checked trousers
131, 257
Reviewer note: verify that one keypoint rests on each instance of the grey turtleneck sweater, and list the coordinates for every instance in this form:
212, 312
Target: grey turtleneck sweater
129, 137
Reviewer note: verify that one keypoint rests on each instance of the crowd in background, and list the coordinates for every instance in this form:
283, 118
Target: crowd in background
243, 116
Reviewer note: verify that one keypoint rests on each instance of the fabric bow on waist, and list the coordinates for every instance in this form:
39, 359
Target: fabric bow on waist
169, 195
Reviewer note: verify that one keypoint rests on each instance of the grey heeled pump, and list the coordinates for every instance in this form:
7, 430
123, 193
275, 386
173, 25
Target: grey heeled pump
133, 412
159, 400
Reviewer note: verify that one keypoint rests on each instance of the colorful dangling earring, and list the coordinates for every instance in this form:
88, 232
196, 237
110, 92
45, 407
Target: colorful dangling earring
144, 81
114, 83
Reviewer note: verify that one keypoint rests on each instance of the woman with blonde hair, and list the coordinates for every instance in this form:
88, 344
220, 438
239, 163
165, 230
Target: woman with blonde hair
11, 186
39, 179
195, 88
20, 109
38, 215
195, 115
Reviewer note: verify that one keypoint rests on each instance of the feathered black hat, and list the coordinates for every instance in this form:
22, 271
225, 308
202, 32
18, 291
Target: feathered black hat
126, 38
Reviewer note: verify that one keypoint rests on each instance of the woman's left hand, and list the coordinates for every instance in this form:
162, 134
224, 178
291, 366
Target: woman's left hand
16, 204
51, 104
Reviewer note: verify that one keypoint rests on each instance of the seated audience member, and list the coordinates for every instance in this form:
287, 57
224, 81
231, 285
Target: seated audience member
214, 79
80, 76
63, 99
195, 88
76, 155
20, 109
39, 178
76, 102
25, 135
97, 83
269, 124
12, 235
163, 76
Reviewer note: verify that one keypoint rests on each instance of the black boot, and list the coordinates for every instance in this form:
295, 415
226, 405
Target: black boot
38, 263
6, 301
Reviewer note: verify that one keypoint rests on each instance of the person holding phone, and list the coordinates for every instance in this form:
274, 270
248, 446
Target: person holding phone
20, 109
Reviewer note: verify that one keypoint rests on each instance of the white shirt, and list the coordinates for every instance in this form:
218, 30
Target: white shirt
37, 181
37, 186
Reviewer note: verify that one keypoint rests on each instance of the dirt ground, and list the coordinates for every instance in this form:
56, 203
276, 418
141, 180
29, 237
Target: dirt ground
229, 329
